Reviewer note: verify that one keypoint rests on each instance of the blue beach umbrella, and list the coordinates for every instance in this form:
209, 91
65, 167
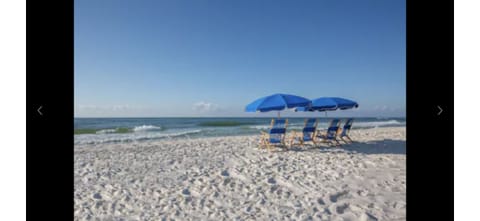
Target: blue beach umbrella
329, 104
277, 102
344, 104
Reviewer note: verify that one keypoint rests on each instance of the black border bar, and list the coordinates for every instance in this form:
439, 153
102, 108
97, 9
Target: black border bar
430, 110
50, 129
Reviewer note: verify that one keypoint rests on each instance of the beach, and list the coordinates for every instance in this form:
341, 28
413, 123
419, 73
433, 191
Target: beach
230, 178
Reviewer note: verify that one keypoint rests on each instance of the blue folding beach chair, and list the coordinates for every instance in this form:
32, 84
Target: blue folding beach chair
346, 130
275, 135
308, 132
330, 135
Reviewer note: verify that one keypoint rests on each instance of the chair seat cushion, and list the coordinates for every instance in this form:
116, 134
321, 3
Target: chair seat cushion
277, 131
309, 129
307, 138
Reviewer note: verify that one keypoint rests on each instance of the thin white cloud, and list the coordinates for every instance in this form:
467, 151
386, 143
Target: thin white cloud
106, 109
205, 107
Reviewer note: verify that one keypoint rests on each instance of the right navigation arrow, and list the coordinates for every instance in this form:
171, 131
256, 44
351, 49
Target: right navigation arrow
441, 110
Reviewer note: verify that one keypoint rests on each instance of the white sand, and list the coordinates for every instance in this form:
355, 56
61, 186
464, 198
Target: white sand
228, 178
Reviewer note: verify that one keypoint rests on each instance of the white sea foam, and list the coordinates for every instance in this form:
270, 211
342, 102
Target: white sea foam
108, 138
146, 128
377, 124
260, 127
106, 131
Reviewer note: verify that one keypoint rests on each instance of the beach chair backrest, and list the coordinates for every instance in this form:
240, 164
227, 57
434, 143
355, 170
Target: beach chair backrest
347, 126
309, 128
278, 130
278, 123
333, 128
310, 122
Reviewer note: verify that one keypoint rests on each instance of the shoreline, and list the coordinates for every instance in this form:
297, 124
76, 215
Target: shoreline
212, 178
175, 137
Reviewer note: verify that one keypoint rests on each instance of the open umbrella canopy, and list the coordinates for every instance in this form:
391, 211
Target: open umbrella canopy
277, 102
343, 103
329, 104
320, 104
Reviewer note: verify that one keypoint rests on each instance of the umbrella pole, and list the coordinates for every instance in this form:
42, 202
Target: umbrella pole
278, 114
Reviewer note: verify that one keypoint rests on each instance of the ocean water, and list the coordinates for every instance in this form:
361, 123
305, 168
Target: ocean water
105, 130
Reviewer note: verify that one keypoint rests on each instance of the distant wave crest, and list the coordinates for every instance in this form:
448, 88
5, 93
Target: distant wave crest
222, 123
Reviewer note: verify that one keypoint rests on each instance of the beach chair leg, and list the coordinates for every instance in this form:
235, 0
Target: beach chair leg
265, 144
268, 147
329, 142
349, 139
338, 144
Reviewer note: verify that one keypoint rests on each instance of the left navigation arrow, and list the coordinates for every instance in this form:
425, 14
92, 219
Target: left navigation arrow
38, 110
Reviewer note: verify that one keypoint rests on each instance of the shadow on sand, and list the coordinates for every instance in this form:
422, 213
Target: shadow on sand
386, 146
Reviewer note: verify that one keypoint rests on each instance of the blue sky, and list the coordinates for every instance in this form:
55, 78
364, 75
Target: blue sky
212, 57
